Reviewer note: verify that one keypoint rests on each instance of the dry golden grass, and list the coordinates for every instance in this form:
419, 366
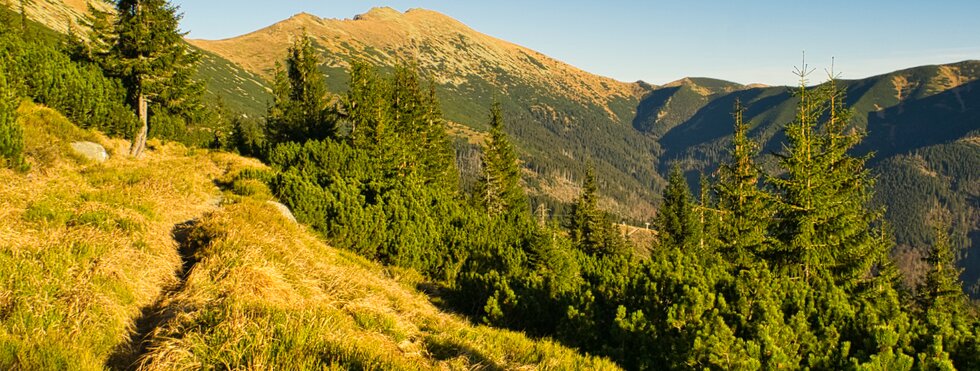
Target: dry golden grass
84, 246
89, 263
267, 294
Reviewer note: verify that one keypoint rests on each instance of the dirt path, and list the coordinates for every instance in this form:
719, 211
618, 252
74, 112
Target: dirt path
127, 355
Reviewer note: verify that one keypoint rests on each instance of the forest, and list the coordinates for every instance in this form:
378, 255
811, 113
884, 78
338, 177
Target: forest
783, 268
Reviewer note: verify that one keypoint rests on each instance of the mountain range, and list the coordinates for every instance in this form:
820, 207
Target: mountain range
923, 123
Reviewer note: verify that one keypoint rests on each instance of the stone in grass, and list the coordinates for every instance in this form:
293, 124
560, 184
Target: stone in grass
284, 210
92, 151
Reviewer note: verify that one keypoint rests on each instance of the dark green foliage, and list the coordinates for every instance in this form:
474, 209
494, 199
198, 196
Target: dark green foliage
744, 208
11, 134
826, 223
790, 272
500, 185
382, 189
590, 228
148, 53
948, 331
247, 137
81, 92
677, 224
299, 109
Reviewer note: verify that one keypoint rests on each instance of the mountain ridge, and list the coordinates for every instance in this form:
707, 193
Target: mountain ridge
401, 37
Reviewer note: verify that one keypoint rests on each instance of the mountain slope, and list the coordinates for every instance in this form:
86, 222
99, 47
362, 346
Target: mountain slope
922, 124
239, 90
561, 117
149, 263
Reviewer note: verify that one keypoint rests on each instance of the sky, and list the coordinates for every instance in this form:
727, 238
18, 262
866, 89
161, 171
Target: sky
759, 41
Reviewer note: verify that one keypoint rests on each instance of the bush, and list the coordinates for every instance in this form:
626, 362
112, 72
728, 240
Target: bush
11, 134
80, 91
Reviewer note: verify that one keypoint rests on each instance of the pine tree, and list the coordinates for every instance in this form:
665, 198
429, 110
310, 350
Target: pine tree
300, 111
743, 206
154, 62
500, 187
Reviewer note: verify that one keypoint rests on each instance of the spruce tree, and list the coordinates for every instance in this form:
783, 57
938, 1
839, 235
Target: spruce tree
826, 223
676, 222
366, 111
947, 337
154, 62
590, 227
745, 214
300, 111
499, 189
423, 145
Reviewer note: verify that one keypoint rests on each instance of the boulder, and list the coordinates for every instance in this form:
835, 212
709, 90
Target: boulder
92, 151
283, 209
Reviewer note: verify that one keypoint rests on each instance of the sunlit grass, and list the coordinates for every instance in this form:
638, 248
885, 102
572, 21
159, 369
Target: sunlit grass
266, 293
88, 250
84, 246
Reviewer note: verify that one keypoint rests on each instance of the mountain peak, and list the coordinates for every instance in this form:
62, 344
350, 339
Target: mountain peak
379, 14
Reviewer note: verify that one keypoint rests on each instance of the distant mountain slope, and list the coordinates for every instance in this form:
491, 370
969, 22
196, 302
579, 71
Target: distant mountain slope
922, 126
235, 87
560, 116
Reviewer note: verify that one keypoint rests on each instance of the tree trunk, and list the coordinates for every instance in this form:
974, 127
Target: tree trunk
139, 142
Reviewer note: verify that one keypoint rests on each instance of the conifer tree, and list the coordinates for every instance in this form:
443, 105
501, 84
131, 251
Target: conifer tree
500, 187
743, 206
826, 224
154, 62
365, 108
676, 222
590, 228
943, 305
708, 215
423, 145
96, 46
299, 111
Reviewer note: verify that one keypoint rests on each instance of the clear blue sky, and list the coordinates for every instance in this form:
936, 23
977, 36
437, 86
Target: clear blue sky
660, 41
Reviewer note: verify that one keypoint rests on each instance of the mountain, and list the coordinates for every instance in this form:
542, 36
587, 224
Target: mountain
560, 116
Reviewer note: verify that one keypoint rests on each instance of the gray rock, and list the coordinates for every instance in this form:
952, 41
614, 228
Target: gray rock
284, 210
91, 151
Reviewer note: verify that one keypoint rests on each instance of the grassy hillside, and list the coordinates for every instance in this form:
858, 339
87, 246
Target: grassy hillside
240, 91
148, 262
